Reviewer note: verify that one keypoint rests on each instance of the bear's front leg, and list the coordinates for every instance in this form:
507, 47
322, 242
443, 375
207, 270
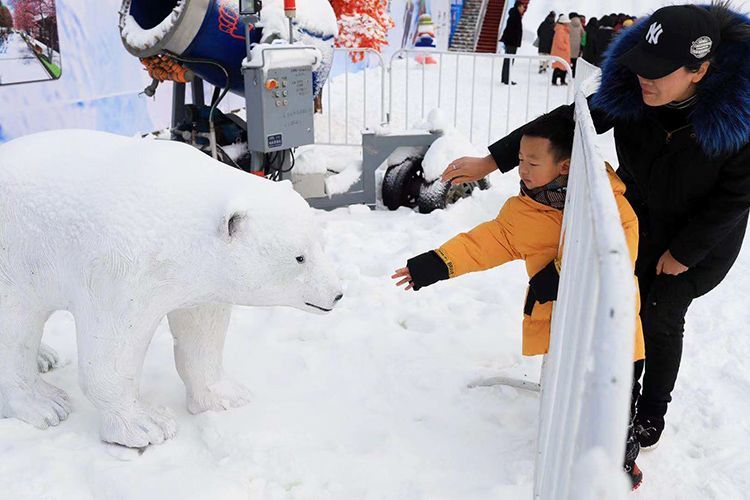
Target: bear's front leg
23, 393
199, 335
110, 359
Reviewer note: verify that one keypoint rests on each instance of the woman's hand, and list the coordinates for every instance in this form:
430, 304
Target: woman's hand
469, 169
669, 265
406, 275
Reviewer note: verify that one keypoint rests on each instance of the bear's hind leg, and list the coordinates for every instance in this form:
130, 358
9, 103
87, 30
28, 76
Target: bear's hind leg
47, 358
110, 360
23, 393
199, 335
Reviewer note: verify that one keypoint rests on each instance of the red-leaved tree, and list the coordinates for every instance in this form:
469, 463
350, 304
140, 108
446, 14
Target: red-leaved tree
362, 24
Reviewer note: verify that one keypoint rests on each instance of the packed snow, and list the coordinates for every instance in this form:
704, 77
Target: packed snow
372, 401
316, 16
281, 54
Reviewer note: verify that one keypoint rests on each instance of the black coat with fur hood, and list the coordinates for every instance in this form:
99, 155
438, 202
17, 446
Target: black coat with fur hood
687, 172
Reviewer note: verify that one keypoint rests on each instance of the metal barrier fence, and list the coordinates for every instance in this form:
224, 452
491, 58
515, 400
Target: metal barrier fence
473, 71
465, 86
587, 375
352, 102
587, 76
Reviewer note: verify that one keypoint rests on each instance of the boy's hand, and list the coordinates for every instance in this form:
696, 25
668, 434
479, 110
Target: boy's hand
469, 169
421, 271
669, 265
406, 275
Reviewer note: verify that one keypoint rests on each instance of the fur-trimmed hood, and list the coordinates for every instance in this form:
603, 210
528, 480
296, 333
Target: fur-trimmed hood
721, 118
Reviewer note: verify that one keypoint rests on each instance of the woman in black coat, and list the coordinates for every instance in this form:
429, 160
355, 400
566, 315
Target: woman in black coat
512, 36
676, 90
592, 28
545, 34
603, 36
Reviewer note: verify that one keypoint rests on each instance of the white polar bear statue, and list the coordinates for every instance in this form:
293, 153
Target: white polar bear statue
121, 232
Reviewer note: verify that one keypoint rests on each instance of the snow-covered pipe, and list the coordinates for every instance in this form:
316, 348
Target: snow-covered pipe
211, 31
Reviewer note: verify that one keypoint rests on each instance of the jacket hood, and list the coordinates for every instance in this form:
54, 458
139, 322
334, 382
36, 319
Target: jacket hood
721, 118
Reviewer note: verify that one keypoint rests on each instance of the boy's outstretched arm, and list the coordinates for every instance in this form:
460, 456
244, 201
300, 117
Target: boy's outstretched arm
486, 246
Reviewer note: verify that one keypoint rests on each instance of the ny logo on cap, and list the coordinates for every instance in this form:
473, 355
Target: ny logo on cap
654, 32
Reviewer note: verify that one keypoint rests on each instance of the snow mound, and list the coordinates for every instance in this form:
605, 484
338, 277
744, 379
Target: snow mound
314, 16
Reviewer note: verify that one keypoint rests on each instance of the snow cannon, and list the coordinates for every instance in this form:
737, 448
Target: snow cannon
208, 36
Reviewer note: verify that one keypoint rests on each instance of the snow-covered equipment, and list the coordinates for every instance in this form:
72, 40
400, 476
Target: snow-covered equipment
404, 185
277, 56
275, 59
208, 36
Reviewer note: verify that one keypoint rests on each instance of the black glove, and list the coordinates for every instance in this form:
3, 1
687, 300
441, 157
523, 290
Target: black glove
426, 269
542, 287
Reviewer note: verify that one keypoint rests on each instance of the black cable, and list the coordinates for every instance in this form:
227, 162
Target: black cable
206, 61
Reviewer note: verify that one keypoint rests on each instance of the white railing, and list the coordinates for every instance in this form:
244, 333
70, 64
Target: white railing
587, 375
466, 86
352, 102
587, 76
453, 83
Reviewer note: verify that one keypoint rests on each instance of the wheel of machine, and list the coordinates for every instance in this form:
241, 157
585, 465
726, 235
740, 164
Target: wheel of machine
439, 195
402, 184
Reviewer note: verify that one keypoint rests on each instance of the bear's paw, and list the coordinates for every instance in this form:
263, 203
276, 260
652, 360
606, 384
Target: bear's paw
219, 396
138, 427
38, 403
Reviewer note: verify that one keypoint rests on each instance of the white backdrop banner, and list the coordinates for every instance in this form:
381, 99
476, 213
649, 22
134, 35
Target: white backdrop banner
99, 86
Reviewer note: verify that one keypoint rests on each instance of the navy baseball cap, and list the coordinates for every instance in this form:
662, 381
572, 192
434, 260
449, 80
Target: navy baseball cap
674, 37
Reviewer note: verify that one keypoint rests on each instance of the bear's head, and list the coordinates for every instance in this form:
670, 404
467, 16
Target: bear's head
275, 252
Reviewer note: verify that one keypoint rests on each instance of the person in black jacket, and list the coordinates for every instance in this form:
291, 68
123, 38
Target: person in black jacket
589, 47
676, 89
545, 34
603, 37
512, 36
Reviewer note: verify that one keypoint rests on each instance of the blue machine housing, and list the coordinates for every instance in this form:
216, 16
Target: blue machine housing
208, 30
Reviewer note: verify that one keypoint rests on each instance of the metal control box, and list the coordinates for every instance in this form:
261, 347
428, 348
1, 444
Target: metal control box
279, 108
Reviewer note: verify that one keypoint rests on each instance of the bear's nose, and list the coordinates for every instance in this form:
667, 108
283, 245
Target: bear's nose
338, 297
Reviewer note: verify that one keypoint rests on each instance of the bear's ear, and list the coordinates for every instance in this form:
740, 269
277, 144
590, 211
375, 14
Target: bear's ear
232, 224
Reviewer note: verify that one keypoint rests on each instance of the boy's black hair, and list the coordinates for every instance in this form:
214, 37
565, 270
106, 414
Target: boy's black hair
557, 129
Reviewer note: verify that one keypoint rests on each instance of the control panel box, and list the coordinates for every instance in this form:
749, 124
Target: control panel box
279, 108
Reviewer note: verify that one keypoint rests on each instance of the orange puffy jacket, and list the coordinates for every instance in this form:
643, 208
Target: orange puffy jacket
528, 230
561, 45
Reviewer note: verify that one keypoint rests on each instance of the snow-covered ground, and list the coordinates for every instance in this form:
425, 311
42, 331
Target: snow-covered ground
18, 62
371, 402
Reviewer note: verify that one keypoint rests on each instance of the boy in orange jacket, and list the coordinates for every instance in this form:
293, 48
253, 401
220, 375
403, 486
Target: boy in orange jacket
528, 227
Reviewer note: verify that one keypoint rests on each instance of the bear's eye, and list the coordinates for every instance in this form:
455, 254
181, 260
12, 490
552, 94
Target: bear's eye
301, 259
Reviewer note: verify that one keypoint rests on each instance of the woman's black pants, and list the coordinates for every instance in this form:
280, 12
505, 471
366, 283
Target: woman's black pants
664, 302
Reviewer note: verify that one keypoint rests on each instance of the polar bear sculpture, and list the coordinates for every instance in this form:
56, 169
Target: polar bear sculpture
121, 232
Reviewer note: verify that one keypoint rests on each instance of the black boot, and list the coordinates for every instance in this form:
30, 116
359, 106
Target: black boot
632, 448
648, 431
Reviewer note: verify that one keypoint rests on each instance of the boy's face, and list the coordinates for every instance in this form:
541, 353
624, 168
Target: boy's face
537, 164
